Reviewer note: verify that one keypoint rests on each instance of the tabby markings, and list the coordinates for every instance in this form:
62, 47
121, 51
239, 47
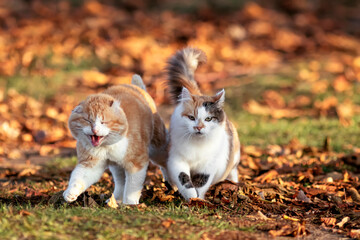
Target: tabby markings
185, 180
200, 179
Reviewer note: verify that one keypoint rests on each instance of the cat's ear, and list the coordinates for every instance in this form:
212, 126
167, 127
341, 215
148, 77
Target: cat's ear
78, 109
185, 95
219, 97
114, 104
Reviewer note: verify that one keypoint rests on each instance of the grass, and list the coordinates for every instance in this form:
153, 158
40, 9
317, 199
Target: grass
263, 131
310, 131
48, 222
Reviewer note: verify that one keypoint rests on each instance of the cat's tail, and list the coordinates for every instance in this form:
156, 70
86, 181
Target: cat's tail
137, 80
180, 70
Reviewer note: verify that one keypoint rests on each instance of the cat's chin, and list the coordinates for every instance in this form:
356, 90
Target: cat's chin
198, 135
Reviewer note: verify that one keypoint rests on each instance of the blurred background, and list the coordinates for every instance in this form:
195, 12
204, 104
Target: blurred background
291, 68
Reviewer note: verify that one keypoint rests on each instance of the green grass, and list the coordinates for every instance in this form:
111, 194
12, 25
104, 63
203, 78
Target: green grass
43, 82
263, 131
310, 131
48, 222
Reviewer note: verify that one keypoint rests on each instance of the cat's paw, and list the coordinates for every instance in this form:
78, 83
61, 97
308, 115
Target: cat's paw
130, 201
72, 192
118, 201
189, 193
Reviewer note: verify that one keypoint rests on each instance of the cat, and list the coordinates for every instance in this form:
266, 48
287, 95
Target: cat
117, 129
204, 146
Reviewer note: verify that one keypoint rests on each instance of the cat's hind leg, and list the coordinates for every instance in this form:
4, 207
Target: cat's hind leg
134, 182
118, 174
81, 178
233, 175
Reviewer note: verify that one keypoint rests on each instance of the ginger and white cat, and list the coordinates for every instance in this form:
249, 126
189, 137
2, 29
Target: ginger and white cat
117, 129
204, 144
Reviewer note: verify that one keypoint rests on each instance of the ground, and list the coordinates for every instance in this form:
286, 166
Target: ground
291, 73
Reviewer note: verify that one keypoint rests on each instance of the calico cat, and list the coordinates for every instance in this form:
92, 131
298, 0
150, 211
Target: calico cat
204, 144
117, 129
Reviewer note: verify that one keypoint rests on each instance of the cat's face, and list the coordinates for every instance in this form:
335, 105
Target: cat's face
201, 114
99, 120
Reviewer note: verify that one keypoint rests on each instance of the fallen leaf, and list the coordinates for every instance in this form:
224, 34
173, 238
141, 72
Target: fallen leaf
112, 202
291, 218
267, 177
342, 222
355, 196
328, 221
25, 213
355, 233
198, 202
167, 223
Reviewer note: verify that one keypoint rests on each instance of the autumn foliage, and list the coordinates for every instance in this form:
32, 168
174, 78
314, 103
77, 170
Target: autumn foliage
106, 42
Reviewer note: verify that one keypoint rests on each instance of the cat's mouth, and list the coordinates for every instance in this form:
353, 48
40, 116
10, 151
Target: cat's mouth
95, 140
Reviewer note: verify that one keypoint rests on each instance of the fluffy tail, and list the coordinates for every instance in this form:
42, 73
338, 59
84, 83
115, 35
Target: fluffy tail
180, 70
137, 80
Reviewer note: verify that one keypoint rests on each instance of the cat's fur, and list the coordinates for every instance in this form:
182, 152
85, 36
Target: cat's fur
204, 144
117, 129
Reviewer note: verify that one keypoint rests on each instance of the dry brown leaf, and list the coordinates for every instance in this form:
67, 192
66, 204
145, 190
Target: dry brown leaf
355, 196
167, 223
273, 99
198, 202
94, 78
328, 221
297, 229
27, 172
345, 112
25, 213
291, 218
112, 202
267, 177
252, 151
355, 233
340, 84
343, 222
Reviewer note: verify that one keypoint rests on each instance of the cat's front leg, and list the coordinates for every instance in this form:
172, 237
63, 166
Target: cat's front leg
179, 173
81, 178
134, 182
202, 182
118, 174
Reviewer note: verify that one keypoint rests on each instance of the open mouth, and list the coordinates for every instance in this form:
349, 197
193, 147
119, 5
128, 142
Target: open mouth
95, 140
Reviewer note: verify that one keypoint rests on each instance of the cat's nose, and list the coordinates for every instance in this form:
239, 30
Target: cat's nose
94, 130
198, 128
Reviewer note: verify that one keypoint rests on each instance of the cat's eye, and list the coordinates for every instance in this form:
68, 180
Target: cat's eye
191, 118
87, 120
104, 122
208, 119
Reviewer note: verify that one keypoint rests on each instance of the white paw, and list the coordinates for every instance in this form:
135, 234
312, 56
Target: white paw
72, 192
189, 193
118, 201
129, 201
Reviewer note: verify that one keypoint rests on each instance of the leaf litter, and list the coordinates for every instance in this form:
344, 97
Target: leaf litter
287, 188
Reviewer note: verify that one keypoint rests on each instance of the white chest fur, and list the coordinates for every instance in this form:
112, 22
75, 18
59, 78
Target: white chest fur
114, 152
203, 155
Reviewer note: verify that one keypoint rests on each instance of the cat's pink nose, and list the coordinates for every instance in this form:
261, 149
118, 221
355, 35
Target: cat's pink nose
198, 128
94, 130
